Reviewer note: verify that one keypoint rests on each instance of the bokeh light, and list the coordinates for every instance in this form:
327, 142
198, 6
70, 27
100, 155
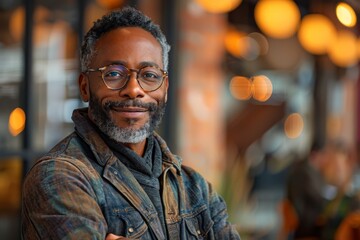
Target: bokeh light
343, 51
16, 23
216, 6
42, 24
240, 88
245, 46
316, 33
294, 125
346, 14
261, 88
17, 121
358, 48
277, 18
262, 42
110, 4
233, 42
334, 125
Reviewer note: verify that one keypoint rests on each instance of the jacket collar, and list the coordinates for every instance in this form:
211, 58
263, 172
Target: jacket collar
124, 182
88, 131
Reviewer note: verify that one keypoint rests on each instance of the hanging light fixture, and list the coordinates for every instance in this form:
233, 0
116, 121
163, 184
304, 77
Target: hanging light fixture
316, 33
343, 51
241, 88
277, 18
219, 6
346, 14
262, 88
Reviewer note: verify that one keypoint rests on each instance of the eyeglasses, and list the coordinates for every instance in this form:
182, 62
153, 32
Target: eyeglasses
115, 77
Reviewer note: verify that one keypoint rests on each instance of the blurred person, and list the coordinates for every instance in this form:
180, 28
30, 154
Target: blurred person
114, 177
319, 194
349, 228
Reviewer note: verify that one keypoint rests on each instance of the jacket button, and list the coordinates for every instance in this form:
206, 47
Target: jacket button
198, 232
131, 230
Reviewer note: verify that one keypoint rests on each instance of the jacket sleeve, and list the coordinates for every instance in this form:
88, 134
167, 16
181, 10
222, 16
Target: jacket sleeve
222, 228
59, 202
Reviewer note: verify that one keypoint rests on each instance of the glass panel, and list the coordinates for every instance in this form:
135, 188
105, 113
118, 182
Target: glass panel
55, 71
10, 190
11, 62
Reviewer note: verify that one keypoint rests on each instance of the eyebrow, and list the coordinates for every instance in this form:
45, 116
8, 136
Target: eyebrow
142, 64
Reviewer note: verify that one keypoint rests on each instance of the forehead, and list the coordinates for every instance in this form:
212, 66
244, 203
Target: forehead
130, 32
128, 44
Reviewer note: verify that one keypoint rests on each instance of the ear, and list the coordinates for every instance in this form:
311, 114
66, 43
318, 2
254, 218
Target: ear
83, 82
166, 82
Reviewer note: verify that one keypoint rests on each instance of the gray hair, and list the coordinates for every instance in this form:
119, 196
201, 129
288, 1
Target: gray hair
126, 17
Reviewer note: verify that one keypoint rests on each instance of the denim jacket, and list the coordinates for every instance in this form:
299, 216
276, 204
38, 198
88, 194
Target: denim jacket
80, 190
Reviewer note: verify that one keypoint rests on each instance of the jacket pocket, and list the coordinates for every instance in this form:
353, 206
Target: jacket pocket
199, 225
131, 224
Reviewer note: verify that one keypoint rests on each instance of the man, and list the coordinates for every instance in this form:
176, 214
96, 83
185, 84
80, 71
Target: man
319, 190
114, 177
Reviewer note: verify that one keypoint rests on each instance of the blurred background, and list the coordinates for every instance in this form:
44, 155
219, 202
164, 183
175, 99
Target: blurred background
256, 87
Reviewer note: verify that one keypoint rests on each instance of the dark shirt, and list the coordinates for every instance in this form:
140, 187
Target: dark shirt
147, 169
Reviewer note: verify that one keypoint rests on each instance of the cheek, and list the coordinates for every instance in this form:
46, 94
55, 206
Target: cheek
101, 93
160, 95
96, 85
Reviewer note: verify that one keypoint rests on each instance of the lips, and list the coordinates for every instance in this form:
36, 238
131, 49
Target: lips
130, 112
129, 109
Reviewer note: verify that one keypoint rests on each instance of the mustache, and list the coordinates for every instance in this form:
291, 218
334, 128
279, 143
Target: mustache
130, 103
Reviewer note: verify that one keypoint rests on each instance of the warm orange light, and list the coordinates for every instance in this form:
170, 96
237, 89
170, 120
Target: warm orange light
277, 18
234, 44
346, 14
240, 87
110, 4
16, 23
216, 6
343, 51
262, 88
316, 33
17, 121
294, 125
42, 27
245, 46
358, 47
334, 125
262, 42
92, 12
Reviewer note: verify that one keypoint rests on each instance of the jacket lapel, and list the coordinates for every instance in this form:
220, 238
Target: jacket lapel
117, 173
124, 181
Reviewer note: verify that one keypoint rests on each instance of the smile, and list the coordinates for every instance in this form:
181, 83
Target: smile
130, 112
129, 109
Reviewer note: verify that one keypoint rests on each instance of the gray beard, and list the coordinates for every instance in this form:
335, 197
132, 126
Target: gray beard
101, 117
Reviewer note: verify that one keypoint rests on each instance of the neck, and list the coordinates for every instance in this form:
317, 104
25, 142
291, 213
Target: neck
138, 148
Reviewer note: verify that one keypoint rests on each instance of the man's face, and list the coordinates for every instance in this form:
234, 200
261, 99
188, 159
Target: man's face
130, 114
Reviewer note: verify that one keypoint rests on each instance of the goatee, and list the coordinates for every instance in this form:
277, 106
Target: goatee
101, 117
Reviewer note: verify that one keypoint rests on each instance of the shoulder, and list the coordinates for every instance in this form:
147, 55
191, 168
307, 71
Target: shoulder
192, 174
195, 183
67, 161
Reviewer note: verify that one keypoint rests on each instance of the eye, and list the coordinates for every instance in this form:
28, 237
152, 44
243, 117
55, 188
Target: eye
112, 74
115, 73
150, 73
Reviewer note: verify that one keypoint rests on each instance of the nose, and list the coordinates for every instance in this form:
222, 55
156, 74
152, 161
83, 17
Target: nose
132, 88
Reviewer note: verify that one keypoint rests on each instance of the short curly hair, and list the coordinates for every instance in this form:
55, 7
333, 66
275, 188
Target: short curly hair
126, 17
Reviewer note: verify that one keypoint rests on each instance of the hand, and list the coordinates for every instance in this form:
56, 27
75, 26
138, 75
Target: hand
111, 236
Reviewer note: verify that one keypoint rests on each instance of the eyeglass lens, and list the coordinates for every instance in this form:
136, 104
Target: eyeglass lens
149, 77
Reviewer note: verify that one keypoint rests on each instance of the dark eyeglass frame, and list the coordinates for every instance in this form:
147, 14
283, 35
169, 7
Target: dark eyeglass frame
137, 71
